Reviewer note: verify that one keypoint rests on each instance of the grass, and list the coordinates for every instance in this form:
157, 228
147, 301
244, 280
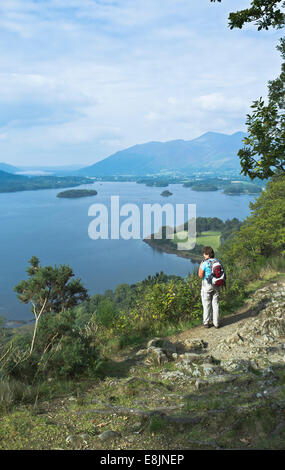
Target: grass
230, 417
209, 238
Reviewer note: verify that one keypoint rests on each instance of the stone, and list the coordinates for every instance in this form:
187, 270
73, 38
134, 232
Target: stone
217, 379
195, 344
176, 374
168, 348
199, 384
141, 352
154, 342
155, 356
106, 435
208, 369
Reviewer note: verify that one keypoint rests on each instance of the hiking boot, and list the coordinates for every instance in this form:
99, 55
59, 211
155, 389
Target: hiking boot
207, 325
218, 326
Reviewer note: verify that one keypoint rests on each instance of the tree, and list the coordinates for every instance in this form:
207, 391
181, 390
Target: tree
264, 152
263, 233
49, 289
265, 13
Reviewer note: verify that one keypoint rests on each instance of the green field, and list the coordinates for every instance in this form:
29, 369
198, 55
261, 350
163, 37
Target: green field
210, 238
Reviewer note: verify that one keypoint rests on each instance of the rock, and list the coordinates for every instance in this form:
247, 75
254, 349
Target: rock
174, 375
141, 352
208, 369
168, 348
199, 384
154, 342
268, 339
235, 339
197, 372
70, 439
155, 356
273, 326
84, 438
235, 365
106, 435
214, 379
197, 358
195, 344
217, 379
187, 365
77, 442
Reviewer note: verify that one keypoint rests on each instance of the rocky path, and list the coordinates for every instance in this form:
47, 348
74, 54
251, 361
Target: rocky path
256, 329
254, 333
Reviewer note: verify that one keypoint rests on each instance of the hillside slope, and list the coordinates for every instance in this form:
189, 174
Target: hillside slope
200, 389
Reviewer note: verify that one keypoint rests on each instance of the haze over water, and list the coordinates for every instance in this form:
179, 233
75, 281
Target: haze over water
37, 223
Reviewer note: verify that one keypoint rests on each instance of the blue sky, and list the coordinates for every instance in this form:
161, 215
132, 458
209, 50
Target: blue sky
81, 79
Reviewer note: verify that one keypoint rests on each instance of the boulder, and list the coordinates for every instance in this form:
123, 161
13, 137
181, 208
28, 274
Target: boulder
195, 345
155, 356
167, 347
106, 435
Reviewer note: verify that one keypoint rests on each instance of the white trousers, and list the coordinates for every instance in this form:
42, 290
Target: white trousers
210, 302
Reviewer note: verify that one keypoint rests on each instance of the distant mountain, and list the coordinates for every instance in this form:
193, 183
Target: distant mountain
4, 176
63, 170
211, 151
8, 168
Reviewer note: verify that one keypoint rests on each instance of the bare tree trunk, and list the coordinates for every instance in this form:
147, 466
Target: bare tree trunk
37, 316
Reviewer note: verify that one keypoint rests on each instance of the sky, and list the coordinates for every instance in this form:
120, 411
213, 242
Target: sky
82, 79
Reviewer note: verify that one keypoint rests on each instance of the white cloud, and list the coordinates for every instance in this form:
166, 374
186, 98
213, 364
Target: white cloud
220, 102
173, 101
152, 116
96, 74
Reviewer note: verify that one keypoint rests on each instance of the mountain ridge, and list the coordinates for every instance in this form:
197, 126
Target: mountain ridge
210, 151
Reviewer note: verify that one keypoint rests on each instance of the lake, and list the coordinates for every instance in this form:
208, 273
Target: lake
37, 223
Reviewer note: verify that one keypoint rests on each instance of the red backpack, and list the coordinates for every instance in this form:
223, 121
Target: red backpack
218, 275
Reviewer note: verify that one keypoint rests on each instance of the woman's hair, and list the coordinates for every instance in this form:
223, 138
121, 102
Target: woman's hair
208, 250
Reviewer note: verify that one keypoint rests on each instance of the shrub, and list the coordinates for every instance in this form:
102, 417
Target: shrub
63, 350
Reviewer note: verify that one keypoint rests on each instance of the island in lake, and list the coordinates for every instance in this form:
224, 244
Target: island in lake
236, 187
166, 193
209, 231
75, 193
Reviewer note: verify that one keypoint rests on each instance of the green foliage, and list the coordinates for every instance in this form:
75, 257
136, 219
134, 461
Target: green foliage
263, 12
263, 154
64, 349
51, 287
12, 183
106, 313
264, 151
77, 193
263, 233
204, 187
161, 303
242, 188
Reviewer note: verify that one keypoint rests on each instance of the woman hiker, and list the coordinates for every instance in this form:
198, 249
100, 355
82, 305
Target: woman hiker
210, 292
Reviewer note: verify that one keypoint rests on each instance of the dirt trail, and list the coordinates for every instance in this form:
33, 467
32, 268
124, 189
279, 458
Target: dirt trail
263, 302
